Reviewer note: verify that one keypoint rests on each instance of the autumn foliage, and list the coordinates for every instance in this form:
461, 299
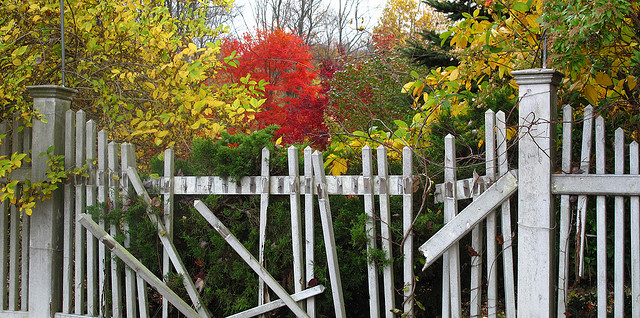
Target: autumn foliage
293, 94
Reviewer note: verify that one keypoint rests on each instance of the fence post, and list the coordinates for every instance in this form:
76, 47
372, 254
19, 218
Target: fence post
45, 256
536, 214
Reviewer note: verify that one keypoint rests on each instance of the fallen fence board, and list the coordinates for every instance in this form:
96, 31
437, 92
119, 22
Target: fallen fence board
313, 291
475, 212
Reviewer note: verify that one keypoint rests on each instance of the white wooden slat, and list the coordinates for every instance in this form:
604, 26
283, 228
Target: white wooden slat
507, 244
407, 230
634, 218
565, 214
168, 219
5, 146
25, 236
475, 306
462, 224
328, 235
618, 279
141, 270
601, 223
249, 259
451, 258
263, 294
385, 232
492, 273
143, 301
300, 296
92, 261
595, 184
126, 158
370, 229
114, 203
585, 157
135, 180
14, 226
309, 223
80, 251
296, 222
464, 188
69, 214
102, 200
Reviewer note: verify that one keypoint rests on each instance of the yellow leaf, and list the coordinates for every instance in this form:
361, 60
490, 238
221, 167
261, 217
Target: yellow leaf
631, 81
279, 141
406, 88
603, 79
338, 166
591, 94
454, 74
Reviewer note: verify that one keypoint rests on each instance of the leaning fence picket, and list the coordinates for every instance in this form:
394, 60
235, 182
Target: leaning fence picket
601, 224
507, 247
4, 223
328, 235
618, 290
69, 214
451, 258
372, 269
168, 219
385, 232
585, 159
296, 221
309, 223
634, 169
126, 153
565, 214
92, 250
114, 203
80, 252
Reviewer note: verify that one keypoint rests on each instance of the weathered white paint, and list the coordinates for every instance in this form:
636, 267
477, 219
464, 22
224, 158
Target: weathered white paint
167, 219
138, 267
585, 160
385, 233
114, 195
601, 224
69, 214
536, 215
618, 279
92, 244
329, 238
296, 222
491, 221
127, 159
634, 169
308, 226
45, 253
80, 237
565, 215
451, 303
600, 184
101, 174
299, 296
369, 210
263, 294
407, 230
249, 259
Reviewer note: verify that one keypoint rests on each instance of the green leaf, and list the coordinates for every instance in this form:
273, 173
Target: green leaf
400, 123
521, 6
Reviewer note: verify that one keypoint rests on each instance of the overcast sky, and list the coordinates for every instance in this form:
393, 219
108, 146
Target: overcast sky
246, 22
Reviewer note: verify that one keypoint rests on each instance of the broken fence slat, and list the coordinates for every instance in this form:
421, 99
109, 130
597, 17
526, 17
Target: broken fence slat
305, 294
249, 259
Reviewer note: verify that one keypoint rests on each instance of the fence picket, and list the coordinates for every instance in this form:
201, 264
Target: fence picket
92, 261
25, 236
264, 204
69, 214
126, 157
618, 290
385, 232
370, 228
296, 222
601, 223
507, 244
5, 145
585, 158
327, 233
114, 203
634, 169
308, 226
101, 181
80, 252
565, 214
492, 272
475, 291
407, 230
168, 219
451, 258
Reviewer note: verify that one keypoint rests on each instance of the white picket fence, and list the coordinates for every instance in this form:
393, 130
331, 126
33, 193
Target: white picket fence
70, 274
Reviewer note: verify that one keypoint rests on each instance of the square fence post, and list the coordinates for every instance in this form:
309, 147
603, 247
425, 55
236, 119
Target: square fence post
45, 246
536, 214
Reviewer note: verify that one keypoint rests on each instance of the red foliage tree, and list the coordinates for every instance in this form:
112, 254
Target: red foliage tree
293, 99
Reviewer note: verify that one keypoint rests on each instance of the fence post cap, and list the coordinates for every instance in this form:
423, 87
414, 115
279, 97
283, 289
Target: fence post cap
537, 76
51, 91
